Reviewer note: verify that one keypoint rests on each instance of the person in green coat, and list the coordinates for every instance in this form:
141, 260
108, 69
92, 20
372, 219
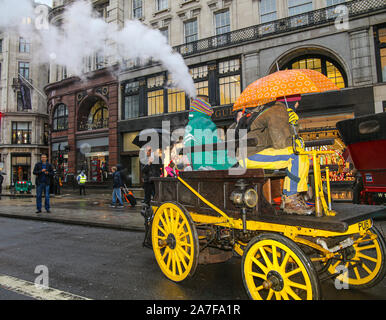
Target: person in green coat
201, 130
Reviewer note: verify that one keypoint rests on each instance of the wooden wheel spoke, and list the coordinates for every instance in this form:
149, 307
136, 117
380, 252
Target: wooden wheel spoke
267, 261
275, 262
163, 231
293, 272
166, 226
370, 246
284, 262
183, 252
270, 294
168, 261
361, 255
258, 275
167, 250
185, 244
292, 293
260, 265
182, 236
178, 262
366, 268
356, 273
296, 285
183, 256
284, 295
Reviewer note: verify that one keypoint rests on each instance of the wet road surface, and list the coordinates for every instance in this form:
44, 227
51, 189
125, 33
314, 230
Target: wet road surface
108, 264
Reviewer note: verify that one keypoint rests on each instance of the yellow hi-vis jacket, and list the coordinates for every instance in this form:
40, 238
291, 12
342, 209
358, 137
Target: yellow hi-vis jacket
82, 179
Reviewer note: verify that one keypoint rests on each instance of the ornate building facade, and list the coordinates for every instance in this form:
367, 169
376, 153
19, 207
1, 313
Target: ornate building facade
228, 44
24, 129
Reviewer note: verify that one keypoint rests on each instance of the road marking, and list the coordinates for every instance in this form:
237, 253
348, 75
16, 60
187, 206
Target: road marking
32, 290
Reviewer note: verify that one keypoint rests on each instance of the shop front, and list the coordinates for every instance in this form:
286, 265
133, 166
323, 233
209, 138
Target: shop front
93, 158
20, 167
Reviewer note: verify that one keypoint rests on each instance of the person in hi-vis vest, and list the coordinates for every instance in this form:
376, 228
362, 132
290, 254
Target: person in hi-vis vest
82, 179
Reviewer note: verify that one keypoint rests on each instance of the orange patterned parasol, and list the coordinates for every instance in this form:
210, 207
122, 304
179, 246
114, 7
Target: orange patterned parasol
283, 84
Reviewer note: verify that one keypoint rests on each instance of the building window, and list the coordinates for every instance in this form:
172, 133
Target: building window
223, 22
131, 101
229, 81
165, 33
200, 77
155, 95
137, 9
102, 10
334, 2
267, 11
380, 45
1, 45
20, 105
21, 132
299, 6
24, 45
323, 65
60, 118
191, 31
21, 167
24, 69
99, 116
162, 5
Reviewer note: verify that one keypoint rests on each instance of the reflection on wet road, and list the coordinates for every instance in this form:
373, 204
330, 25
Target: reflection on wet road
109, 264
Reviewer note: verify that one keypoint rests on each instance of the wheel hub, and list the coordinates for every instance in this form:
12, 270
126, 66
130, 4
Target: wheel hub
274, 281
171, 241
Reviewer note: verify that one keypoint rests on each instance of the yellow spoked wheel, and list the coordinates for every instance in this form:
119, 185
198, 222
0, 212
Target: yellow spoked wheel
175, 242
275, 268
365, 266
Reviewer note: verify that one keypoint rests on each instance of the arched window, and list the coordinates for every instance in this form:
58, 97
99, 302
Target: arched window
60, 118
99, 116
324, 65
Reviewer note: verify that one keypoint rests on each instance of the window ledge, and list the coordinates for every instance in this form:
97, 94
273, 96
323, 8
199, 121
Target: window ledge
183, 3
157, 13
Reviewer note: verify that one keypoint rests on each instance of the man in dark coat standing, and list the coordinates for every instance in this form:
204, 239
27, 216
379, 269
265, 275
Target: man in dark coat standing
151, 168
44, 173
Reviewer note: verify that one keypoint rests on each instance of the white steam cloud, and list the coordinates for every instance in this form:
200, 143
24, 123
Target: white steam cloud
83, 34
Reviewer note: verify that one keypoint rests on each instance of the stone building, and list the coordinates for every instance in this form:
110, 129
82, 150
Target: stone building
24, 132
228, 44
83, 112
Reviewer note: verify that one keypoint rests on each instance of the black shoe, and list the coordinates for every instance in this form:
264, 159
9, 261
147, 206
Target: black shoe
39, 211
48, 211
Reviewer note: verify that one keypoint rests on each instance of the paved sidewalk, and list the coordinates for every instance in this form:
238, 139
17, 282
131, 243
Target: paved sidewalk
93, 210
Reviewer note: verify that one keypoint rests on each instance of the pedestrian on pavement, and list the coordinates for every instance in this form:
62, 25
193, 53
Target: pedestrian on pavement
117, 185
82, 179
44, 173
151, 168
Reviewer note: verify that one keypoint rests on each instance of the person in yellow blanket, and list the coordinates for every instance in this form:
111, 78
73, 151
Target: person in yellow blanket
275, 151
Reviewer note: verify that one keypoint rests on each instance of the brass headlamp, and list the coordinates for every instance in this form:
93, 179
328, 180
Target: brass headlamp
243, 197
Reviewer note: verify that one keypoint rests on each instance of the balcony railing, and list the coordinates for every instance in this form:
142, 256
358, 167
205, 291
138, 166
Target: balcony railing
253, 33
261, 31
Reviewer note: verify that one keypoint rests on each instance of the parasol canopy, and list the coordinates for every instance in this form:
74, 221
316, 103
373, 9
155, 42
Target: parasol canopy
283, 84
